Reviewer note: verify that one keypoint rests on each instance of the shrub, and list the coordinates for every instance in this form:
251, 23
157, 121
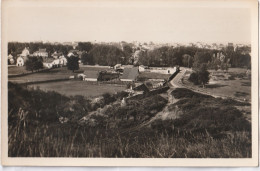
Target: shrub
194, 78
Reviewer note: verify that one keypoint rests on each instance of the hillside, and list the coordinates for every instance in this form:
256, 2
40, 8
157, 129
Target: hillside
47, 124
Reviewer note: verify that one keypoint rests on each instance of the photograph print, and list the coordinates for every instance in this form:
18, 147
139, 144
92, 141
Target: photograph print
131, 79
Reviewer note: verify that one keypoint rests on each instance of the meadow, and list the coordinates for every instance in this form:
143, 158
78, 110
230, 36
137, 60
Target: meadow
57, 79
77, 87
232, 84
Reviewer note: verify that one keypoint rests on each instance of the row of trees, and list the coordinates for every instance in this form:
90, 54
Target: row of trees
189, 56
104, 54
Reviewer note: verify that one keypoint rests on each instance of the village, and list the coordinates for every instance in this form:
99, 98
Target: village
135, 79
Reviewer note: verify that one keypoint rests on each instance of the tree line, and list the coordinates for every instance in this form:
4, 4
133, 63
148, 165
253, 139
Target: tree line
111, 54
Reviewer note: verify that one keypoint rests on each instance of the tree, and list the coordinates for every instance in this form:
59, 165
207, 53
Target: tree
187, 60
203, 75
33, 63
194, 78
84, 46
87, 59
201, 58
73, 63
200, 76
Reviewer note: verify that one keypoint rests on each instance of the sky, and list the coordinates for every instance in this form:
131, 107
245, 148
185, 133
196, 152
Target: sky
134, 22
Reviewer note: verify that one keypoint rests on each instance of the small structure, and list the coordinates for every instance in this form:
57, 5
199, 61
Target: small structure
117, 66
91, 75
130, 74
81, 76
142, 68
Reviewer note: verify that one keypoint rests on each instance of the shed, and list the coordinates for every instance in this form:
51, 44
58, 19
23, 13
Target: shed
91, 75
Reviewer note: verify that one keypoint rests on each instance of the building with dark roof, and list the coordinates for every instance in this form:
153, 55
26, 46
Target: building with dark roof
130, 74
91, 75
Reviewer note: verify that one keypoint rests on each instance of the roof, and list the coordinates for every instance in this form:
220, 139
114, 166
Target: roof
141, 87
130, 73
57, 53
42, 50
91, 74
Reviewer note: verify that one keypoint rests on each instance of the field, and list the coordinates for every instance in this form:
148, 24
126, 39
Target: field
53, 74
14, 70
231, 84
73, 87
51, 81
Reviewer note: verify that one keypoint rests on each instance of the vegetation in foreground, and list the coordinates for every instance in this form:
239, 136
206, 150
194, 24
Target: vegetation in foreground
48, 124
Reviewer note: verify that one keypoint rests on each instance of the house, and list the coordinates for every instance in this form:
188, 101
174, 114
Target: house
142, 68
164, 70
48, 62
63, 60
25, 52
20, 61
51, 62
56, 54
129, 74
75, 53
91, 75
41, 53
141, 87
10, 59
117, 66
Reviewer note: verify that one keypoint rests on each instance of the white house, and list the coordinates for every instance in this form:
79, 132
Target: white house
117, 66
142, 68
63, 60
41, 52
20, 61
56, 55
25, 52
47, 65
11, 59
164, 70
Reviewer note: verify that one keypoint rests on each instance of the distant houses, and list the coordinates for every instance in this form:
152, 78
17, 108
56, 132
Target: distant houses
52, 62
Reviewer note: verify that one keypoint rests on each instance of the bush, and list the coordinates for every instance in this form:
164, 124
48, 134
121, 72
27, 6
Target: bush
194, 78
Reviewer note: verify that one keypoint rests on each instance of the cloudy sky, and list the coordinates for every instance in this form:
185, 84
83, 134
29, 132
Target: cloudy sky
115, 21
